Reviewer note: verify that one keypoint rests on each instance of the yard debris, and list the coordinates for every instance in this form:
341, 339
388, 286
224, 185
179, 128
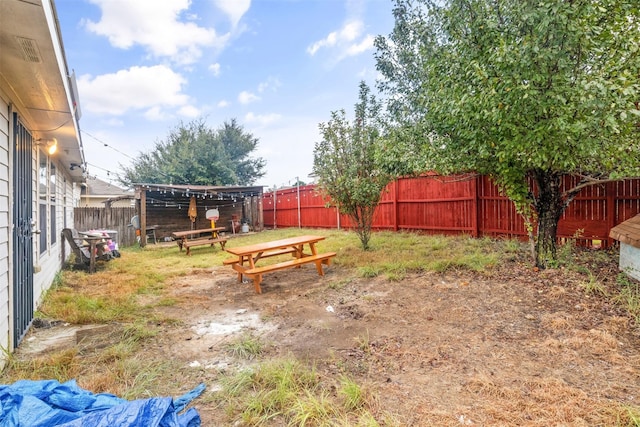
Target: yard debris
49, 403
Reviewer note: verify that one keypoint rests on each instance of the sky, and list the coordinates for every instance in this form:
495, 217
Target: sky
279, 67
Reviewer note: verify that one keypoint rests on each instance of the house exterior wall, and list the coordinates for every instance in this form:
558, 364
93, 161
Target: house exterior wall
630, 260
47, 261
99, 202
5, 210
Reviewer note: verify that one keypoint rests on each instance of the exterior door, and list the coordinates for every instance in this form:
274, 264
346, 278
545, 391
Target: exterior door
22, 230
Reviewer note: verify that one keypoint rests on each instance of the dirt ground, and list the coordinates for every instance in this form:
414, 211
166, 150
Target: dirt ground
510, 347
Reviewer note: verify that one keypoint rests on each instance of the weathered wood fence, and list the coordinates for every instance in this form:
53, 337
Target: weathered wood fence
460, 205
117, 219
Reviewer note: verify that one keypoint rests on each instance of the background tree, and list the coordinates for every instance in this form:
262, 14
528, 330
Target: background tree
521, 90
344, 162
195, 154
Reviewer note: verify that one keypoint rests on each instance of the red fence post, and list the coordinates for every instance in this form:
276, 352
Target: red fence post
476, 207
611, 214
395, 204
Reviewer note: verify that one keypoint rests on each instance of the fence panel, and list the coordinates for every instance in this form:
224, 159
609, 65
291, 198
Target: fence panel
117, 219
627, 200
461, 205
436, 204
497, 215
587, 217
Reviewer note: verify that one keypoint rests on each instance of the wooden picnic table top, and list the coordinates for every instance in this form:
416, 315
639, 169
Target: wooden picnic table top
199, 231
242, 251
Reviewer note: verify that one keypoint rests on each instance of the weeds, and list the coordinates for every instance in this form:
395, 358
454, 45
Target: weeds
364, 343
245, 347
594, 285
629, 295
60, 365
285, 392
351, 393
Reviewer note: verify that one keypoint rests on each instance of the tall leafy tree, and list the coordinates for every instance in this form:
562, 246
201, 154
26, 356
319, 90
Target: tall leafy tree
344, 162
195, 154
521, 90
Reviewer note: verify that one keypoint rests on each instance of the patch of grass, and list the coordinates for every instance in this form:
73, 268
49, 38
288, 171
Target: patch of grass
594, 285
58, 365
629, 295
369, 271
339, 284
287, 393
68, 305
364, 343
633, 416
246, 346
129, 378
312, 408
351, 393
166, 302
395, 255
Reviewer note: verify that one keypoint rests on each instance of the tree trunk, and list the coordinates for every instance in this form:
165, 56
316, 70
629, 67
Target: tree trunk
549, 206
363, 218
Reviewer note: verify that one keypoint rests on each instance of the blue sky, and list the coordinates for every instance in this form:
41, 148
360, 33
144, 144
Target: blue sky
279, 67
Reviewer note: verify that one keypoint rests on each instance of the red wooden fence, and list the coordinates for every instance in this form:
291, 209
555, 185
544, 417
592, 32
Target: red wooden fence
469, 205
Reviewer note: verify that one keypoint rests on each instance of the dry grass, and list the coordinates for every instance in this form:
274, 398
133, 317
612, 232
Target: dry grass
545, 402
132, 290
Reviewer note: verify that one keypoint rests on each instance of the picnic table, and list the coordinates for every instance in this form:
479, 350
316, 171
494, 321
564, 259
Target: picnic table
246, 257
203, 236
97, 242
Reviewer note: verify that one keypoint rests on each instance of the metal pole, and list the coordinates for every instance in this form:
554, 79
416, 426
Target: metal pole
275, 223
298, 186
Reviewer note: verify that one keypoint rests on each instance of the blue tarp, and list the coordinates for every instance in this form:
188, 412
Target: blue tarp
49, 403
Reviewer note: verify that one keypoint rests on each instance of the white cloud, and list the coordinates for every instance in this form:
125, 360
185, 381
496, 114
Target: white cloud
189, 111
224, 103
158, 26
287, 146
155, 114
138, 88
215, 69
358, 48
234, 9
348, 41
262, 119
114, 122
271, 84
246, 97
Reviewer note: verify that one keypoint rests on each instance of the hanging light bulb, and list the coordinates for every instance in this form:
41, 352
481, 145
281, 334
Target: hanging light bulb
52, 146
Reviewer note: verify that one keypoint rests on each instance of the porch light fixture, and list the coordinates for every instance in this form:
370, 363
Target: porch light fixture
51, 144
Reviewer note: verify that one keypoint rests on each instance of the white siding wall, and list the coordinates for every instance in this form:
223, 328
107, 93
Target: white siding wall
50, 261
630, 260
5, 208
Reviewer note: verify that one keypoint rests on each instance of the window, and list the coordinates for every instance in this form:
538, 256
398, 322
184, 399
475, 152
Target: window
52, 202
46, 202
43, 185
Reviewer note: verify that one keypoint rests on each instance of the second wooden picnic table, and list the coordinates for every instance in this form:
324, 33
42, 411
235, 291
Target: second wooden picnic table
247, 256
203, 236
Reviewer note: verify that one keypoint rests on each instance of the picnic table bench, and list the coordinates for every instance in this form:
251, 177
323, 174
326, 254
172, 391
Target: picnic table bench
247, 256
204, 236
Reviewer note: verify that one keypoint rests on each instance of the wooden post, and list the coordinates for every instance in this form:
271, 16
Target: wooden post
396, 205
298, 197
612, 220
143, 217
475, 216
260, 220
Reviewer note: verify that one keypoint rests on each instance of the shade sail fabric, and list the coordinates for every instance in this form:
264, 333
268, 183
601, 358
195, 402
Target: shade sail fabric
49, 403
